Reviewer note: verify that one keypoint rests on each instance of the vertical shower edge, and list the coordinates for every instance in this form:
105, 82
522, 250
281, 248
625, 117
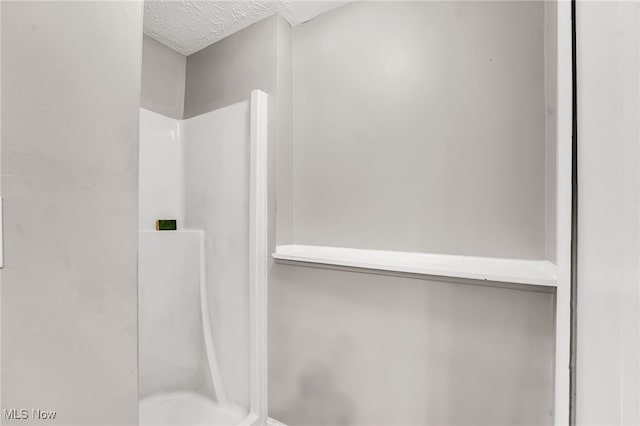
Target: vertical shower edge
258, 223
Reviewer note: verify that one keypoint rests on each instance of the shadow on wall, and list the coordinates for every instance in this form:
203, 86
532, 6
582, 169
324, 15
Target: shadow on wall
318, 398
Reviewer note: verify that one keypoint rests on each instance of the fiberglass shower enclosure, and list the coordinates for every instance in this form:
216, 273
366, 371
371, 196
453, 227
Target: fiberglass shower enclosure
202, 287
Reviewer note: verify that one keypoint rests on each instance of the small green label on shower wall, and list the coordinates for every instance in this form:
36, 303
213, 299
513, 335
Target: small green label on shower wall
166, 225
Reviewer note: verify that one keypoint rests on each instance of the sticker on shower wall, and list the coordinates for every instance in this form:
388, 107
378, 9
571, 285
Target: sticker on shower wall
166, 225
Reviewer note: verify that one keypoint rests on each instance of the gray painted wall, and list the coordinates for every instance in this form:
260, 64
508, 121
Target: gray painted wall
408, 137
163, 79
551, 127
281, 172
70, 102
420, 126
349, 348
227, 71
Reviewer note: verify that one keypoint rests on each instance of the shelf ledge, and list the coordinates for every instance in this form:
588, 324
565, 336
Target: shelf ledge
516, 271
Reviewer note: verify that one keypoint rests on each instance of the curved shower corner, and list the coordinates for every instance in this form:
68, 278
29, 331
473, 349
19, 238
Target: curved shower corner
202, 287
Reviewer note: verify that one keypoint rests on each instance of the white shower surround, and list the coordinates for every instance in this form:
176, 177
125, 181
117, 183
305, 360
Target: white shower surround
172, 167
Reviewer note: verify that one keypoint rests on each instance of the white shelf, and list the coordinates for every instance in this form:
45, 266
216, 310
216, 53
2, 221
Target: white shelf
517, 271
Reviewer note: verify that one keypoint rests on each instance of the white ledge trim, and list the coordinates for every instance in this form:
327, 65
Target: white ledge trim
517, 271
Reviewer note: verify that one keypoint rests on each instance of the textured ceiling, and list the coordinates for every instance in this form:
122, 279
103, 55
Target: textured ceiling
190, 25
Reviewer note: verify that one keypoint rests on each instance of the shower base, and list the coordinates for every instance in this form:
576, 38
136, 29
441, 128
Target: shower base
187, 408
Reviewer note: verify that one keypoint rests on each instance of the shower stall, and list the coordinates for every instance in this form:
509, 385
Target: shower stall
202, 286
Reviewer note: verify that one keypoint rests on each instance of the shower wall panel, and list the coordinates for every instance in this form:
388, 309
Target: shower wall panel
217, 202
161, 170
171, 348
197, 171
